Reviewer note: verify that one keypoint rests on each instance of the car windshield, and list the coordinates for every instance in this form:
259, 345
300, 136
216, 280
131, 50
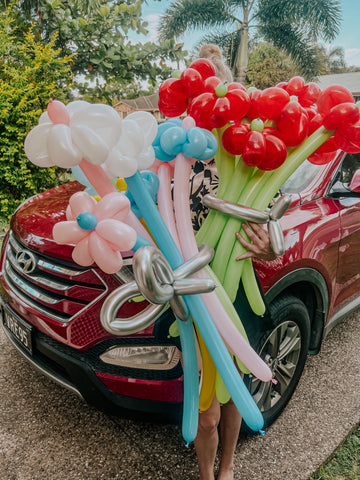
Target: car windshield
301, 178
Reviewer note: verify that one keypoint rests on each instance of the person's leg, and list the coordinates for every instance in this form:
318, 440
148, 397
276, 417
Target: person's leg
207, 440
230, 422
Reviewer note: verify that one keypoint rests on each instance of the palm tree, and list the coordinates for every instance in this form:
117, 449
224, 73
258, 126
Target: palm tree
293, 25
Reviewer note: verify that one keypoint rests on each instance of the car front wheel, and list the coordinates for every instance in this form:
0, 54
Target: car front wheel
283, 347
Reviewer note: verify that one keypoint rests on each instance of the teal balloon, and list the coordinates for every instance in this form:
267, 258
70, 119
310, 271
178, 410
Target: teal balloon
172, 140
211, 148
196, 143
87, 221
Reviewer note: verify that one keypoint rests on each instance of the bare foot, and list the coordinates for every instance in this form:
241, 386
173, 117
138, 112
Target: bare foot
226, 474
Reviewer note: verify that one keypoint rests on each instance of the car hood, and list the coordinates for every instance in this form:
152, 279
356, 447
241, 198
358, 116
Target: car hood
34, 220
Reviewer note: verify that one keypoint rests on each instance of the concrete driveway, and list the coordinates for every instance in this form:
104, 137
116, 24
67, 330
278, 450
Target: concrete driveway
47, 433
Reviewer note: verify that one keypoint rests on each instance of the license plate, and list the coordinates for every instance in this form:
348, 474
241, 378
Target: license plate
19, 329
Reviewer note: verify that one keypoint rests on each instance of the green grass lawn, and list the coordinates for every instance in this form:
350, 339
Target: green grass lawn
345, 464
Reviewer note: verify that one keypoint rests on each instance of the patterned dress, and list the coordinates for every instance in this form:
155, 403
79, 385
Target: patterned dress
204, 179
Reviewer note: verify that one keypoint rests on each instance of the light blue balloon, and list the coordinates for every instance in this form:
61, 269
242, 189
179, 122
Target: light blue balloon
195, 144
80, 176
87, 221
167, 245
161, 155
174, 122
211, 148
172, 140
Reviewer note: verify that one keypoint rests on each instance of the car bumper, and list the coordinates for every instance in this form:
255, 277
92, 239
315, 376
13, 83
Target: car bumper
78, 371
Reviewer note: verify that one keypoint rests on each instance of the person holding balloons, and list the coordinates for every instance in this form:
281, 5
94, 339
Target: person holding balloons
224, 419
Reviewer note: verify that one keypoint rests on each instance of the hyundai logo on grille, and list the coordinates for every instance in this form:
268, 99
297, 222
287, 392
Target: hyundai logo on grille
26, 261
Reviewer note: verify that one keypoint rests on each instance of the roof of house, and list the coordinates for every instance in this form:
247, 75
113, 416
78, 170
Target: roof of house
349, 80
149, 102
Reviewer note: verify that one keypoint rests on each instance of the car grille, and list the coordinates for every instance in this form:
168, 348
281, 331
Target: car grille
58, 290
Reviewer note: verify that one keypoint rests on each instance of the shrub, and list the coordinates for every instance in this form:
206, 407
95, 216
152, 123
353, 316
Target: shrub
30, 74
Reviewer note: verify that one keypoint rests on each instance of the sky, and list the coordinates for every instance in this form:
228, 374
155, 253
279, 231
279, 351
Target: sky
348, 38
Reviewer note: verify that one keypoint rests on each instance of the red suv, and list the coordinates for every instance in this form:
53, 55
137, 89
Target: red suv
51, 306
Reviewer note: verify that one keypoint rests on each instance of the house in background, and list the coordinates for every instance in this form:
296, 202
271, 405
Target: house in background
349, 80
147, 104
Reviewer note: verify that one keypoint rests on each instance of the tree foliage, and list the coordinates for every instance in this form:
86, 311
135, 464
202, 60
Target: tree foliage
96, 33
30, 74
268, 66
293, 26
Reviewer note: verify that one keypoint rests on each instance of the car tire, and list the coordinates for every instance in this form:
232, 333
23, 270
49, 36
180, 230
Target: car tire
283, 344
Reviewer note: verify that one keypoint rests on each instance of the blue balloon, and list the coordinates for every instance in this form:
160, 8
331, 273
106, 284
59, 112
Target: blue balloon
151, 183
167, 245
161, 155
196, 143
87, 221
80, 176
172, 140
211, 148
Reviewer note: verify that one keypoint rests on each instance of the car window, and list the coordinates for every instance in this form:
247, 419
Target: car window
350, 163
301, 178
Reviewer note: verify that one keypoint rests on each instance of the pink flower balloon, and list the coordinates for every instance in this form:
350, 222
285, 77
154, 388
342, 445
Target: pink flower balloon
97, 230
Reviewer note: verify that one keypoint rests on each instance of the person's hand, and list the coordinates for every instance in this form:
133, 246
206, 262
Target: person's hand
259, 245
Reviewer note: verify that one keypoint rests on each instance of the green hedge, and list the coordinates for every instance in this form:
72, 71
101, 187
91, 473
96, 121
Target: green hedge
30, 74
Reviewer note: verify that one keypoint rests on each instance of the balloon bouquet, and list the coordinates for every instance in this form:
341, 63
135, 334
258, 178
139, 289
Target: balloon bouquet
258, 140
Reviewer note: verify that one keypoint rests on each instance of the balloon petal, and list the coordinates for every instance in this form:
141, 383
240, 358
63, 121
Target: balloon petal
36, 145
102, 119
117, 234
61, 148
112, 204
147, 123
108, 260
92, 146
146, 158
81, 254
69, 214
57, 112
77, 105
82, 202
44, 118
131, 141
68, 233
120, 165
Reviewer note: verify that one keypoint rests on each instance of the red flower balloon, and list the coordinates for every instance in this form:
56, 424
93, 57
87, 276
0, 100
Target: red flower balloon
271, 101
172, 98
204, 67
295, 86
347, 137
321, 158
332, 96
214, 110
275, 153
254, 148
309, 94
292, 124
344, 113
174, 93
253, 111
234, 138
192, 81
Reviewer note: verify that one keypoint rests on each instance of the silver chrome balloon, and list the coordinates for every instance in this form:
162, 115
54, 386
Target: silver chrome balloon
276, 237
280, 207
270, 217
159, 284
127, 326
238, 211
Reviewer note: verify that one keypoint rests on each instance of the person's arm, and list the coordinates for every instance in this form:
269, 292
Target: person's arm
259, 245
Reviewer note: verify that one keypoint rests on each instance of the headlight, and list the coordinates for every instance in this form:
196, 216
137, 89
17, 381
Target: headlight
155, 357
